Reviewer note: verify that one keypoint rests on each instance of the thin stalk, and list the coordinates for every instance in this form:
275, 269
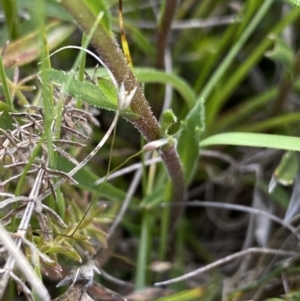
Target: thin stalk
47, 91
143, 252
132, 189
168, 9
164, 228
84, 43
228, 259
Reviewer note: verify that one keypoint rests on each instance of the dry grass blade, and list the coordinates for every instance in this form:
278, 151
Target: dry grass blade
23, 265
228, 259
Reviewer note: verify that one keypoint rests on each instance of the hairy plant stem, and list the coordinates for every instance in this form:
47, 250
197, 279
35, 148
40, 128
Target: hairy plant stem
114, 59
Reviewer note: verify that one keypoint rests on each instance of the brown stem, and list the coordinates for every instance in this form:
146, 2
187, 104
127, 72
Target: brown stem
112, 56
173, 165
163, 31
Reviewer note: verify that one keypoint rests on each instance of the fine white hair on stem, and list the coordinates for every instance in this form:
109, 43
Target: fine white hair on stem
225, 260
23, 265
237, 208
93, 55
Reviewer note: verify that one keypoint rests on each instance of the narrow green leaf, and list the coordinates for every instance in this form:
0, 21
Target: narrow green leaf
188, 295
25, 50
108, 88
52, 9
4, 84
281, 53
294, 2
6, 122
254, 140
286, 171
56, 248
188, 142
99, 6
87, 92
11, 17
148, 75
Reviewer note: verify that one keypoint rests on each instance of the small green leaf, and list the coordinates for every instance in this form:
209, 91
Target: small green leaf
254, 140
148, 75
188, 142
281, 53
167, 120
287, 169
56, 248
108, 88
89, 219
88, 92
189, 295
5, 119
99, 6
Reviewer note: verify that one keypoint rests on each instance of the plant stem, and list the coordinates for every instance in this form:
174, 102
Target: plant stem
112, 56
114, 59
164, 25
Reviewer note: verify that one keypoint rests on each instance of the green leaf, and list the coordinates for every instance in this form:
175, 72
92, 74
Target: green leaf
25, 50
294, 2
188, 295
108, 88
99, 6
87, 92
188, 142
148, 75
6, 122
11, 17
254, 140
281, 53
90, 218
286, 171
167, 120
56, 248
52, 9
